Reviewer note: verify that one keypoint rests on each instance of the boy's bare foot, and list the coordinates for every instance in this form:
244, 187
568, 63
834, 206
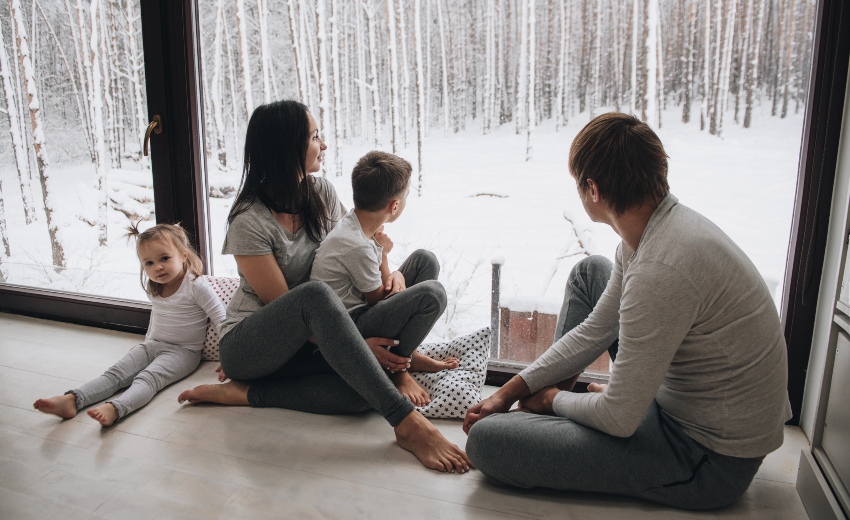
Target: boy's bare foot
418, 436
232, 393
105, 414
409, 388
64, 406
422, 363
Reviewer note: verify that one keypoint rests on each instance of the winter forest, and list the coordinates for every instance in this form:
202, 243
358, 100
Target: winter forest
482, 97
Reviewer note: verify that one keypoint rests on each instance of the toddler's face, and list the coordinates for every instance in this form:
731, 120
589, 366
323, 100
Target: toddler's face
161, 261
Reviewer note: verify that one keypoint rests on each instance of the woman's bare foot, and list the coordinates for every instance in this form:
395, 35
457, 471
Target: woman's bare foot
409, 388
64, 406
418, 436
422, 363
105, 414
232, 393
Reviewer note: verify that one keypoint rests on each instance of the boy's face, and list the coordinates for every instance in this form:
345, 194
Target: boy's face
399, 204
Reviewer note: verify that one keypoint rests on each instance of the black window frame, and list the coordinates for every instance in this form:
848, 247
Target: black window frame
174, 91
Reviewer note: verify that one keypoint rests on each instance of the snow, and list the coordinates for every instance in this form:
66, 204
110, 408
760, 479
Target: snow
537, 228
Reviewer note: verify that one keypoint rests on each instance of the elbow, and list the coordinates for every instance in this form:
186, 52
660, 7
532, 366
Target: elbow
623, 431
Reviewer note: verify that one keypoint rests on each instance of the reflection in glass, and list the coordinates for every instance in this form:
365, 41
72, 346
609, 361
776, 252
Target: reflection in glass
484, 98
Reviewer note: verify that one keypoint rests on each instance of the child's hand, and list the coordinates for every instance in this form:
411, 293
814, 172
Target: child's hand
395, 283
383, 240
221, 377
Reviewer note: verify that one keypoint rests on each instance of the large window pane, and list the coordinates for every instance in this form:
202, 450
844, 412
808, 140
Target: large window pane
72, 171
484, 99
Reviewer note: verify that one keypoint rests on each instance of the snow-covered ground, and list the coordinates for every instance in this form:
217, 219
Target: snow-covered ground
480, 200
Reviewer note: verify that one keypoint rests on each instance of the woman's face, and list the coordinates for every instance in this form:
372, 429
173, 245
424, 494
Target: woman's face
315, 148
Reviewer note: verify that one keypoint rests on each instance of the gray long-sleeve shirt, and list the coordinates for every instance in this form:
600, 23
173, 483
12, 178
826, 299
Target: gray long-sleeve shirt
699, 333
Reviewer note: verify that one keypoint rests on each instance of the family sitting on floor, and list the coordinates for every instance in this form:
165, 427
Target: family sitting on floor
697, 393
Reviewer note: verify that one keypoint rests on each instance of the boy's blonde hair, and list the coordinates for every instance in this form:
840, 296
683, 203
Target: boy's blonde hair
174, 235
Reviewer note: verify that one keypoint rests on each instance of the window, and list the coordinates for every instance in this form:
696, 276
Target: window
484, 98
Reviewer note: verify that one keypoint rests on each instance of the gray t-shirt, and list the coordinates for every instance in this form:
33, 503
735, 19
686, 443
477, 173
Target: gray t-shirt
256, 232
699, 333
349, 262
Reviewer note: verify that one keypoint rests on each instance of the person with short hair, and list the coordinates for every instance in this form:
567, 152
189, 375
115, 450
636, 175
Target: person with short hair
352, 260
697, 393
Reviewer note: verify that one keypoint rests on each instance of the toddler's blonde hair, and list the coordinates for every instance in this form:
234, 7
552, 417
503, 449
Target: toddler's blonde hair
174, 235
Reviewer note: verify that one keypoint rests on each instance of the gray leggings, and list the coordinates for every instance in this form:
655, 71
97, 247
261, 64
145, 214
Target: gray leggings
409, 315
658, 463
146, 369
269, 350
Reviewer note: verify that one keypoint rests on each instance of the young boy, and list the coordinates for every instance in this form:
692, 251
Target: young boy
352, 260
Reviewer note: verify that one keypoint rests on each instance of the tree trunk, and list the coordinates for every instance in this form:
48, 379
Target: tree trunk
324, 91
393, 65
215, 88
635, 55
689, 81
754, 69
337, 101
361, 73
532, 117
245, 57
522, 86
96, 102
18, 143
405, 69
651, 100
38, 139
373, 71
445, 91
265, 63
420, 92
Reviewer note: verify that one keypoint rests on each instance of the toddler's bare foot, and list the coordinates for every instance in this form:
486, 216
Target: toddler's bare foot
418, 436
105, 414
232, 393
410, 388
422, 363
64, 406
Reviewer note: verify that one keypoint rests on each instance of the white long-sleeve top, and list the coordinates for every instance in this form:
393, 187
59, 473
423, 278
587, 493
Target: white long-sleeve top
698, 333
181, 319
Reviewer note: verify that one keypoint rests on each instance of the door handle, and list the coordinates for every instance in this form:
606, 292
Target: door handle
156, 127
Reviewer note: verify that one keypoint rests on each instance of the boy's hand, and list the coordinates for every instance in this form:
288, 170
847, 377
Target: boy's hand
383, 240
395, 283
389, 361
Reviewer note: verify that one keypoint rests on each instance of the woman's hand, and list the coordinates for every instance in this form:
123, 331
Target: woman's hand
489, 406
221, 377
540, 402
388, 361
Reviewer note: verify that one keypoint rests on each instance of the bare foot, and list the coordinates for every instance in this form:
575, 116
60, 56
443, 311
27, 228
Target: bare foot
64, 406
105, 414
418, 436
232, 393
410, 388
422, 363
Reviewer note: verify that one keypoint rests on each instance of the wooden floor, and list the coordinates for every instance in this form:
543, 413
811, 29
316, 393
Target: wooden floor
171, 461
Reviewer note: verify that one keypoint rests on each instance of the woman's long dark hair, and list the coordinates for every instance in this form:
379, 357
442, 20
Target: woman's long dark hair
274, 167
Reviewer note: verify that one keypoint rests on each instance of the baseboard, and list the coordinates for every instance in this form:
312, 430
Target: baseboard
815, 492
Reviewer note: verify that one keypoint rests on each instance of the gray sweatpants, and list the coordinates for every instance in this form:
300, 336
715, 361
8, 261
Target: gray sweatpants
148, 368
409, 315
269, 351
658, 463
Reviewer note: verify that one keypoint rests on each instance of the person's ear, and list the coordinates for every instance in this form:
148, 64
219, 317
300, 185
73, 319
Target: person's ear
393, 206
593, 190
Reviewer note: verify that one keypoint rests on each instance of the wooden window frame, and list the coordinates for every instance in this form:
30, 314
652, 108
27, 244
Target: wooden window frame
174, 91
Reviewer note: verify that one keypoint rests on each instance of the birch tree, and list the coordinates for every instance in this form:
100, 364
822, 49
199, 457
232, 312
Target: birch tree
18, 143
420, 91
532, 116
393, 66
215, 88
651, 103
39, 142
324, 94
96, 102
245, 57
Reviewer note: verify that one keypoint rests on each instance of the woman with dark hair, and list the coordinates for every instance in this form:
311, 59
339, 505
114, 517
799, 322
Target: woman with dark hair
277, 317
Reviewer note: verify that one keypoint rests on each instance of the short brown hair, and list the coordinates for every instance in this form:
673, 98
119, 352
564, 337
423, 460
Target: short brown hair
624, 157
378, 178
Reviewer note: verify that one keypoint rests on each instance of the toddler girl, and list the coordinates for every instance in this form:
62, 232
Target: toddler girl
173, 343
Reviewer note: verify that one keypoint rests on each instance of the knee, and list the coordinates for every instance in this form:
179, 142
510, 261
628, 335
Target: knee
434, 293
482, 447
319, 294
595, 268
428, 260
